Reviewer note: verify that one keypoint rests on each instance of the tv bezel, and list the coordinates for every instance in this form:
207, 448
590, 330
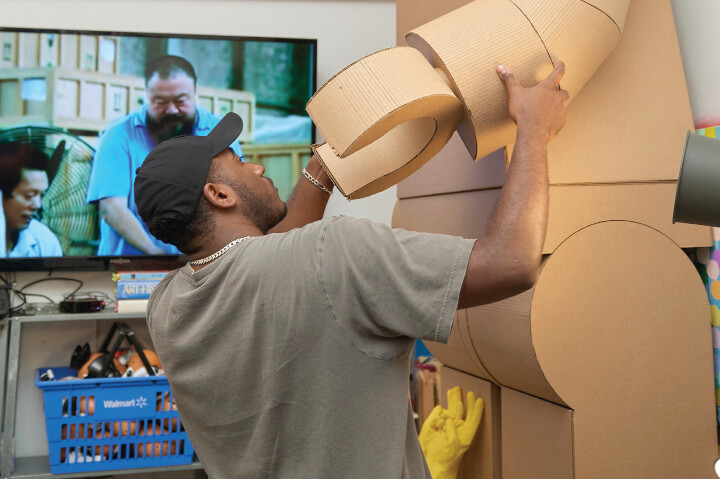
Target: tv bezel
134, 262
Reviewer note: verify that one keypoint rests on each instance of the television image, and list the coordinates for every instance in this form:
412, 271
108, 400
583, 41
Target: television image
79, 111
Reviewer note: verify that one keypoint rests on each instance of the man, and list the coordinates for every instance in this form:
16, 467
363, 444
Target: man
23, 180
171, 110
288, 354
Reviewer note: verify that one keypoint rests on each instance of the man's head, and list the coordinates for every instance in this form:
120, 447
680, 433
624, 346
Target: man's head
187, 184
171, 86
23, 180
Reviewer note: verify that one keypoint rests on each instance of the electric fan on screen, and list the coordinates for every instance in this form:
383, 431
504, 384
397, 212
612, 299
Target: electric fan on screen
64, 209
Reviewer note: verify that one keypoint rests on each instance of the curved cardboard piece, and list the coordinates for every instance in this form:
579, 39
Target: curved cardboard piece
617, 305
620, 328
468, 43
615, 9
382, 117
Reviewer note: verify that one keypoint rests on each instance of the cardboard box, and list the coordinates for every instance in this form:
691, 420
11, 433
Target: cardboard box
571, 208
536, 438
485, 448
616, 329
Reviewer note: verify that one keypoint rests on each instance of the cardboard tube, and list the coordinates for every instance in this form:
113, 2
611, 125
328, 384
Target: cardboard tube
383, 117
525, 36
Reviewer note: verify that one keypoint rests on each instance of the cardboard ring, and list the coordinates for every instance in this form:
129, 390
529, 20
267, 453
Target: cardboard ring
383, 117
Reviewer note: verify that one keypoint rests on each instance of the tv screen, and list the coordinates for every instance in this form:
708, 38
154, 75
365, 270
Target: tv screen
80, 110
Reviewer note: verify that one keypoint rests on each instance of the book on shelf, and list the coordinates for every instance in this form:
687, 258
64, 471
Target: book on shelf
136, 289
138, 275
132, 305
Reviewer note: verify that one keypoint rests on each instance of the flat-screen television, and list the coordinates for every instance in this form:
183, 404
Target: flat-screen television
80, 110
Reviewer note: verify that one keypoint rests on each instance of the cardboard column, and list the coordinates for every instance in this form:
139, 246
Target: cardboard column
610, 350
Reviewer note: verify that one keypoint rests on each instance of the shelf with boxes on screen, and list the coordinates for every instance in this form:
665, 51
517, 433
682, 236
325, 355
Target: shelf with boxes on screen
39, 466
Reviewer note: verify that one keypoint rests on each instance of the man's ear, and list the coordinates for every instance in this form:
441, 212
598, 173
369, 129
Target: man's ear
219, 195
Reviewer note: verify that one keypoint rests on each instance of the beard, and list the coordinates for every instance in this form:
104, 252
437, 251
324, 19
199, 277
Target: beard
259, 209
162, 128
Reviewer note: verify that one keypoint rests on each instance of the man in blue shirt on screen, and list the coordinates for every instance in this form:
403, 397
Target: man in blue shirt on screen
171, 110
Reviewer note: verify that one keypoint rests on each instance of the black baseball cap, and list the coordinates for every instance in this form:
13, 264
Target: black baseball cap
170, 181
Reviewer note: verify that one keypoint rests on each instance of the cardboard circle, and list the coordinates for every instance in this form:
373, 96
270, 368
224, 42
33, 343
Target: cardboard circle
697, 197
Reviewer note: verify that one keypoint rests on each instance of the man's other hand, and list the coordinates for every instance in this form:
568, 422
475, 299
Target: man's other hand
540, 109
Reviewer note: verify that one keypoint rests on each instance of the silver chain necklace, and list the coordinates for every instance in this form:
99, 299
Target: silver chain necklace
220, 252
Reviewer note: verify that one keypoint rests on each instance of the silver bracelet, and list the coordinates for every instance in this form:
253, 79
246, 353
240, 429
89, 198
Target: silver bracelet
315, 182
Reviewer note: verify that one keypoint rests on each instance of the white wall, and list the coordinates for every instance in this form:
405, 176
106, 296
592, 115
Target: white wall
345, 30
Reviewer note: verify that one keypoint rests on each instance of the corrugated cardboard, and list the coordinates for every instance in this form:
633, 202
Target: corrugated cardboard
629, 122
467, 44
482, 459
572, 207
575, 32
617, 326
502, 340
386, 115
615, 9
453, 169
620, 328
459, 351
383, 117
537, 438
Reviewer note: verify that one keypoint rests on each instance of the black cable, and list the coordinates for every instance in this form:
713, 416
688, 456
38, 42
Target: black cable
32, 283
20, 293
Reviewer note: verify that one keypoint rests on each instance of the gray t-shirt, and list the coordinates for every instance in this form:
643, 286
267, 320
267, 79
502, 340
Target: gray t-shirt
289, 355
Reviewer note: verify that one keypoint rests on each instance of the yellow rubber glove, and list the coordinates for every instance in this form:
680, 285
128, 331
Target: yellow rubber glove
448, 433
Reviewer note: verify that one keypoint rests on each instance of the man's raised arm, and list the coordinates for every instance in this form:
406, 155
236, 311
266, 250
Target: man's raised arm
307, 201
506, 261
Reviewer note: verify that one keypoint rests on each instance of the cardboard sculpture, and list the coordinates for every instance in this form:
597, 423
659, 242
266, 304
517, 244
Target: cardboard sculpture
601, 370
386, 115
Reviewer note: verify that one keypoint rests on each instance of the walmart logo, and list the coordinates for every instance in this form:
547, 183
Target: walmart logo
139, 402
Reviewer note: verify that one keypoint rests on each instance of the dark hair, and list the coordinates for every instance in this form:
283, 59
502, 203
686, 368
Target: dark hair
183, 234
14, 158
166, 65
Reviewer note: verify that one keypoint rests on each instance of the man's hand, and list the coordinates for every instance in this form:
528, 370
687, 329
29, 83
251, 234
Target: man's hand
539, 110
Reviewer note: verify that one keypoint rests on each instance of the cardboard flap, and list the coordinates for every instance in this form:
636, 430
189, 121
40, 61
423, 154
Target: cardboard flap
383, 117
468, 44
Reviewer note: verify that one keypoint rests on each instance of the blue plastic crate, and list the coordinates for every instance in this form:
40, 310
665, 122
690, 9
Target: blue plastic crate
104, 424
